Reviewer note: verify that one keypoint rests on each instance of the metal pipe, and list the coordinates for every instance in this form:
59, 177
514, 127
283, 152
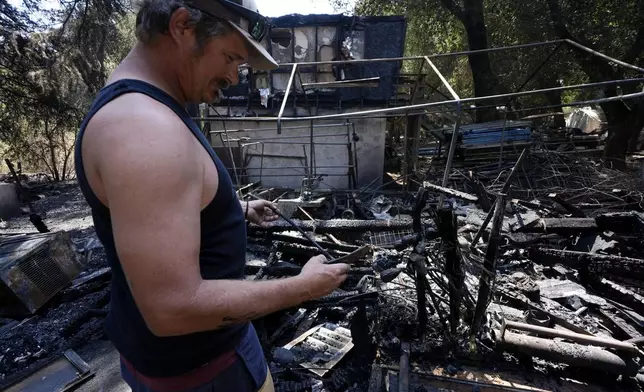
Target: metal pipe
298, 174
317, 143
272, 128
457, 125
296, 227
569, 353
261, 163
408, 108
301, 167
575, 337
288, 90
440, 55
598, 54
442, 78
294, 137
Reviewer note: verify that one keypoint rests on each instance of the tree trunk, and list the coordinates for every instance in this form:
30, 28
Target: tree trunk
485, 80
52, 151
634, 143
623, 121
554, 99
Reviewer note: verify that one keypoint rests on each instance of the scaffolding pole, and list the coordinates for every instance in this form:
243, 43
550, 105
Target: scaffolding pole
457, 125
408, 108
288, 90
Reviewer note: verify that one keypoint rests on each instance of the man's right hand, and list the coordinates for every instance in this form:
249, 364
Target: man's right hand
321, 278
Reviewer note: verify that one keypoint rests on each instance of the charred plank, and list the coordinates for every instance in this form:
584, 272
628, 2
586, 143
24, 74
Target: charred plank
621, 222
339, 225
450, 192
287, 269
618, 293
303, 241
560, 225
590, 263
489, 266
446, 223
575, 211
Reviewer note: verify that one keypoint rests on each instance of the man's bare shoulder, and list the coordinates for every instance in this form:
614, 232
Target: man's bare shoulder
135, 139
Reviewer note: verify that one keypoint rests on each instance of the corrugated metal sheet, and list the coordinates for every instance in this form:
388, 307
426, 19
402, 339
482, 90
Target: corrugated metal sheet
496, 132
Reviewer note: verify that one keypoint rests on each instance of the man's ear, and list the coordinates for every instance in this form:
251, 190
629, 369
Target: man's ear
179, 28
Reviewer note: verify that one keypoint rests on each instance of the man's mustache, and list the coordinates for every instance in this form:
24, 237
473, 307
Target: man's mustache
223, 84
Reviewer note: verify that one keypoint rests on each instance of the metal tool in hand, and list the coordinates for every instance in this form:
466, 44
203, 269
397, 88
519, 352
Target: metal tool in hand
296, 227
348, 259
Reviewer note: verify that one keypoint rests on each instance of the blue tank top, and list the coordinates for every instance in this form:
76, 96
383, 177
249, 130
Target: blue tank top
222, 256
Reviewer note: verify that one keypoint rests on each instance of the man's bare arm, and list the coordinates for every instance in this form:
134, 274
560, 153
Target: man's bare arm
153, 182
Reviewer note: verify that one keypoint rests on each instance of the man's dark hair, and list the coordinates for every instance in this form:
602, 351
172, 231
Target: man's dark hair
153, 19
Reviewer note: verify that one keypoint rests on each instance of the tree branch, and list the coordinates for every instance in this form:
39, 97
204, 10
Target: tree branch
638, 46
454, 8
596, 70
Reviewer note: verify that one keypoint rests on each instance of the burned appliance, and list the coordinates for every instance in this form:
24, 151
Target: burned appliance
33, 268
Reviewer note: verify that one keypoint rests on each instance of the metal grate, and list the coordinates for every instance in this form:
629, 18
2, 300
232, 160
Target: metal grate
388, 238
44, 273
321, 347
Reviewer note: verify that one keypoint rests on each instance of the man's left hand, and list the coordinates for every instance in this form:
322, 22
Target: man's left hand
260, 212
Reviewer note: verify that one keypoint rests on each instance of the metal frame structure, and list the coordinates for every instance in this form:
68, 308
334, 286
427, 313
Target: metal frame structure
456, 103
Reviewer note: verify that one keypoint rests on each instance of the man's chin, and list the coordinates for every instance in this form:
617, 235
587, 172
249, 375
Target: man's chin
215, 97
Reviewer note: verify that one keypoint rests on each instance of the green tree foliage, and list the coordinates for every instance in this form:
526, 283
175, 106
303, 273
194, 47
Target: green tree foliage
613, 27
49, 76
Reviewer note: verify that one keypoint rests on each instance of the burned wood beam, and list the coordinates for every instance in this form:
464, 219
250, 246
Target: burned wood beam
575, 211
338, 225
353, 257
450, 192
281, 270
526, 304
560, 226
569, 353
375, 381
303, 241
590, 262
484, 198
292, 321
575, 337
618, 326
504, 190
302, 250
489, 266
35, 219
347, 300
422, 285
618, 293
621, 222
446, 223
403, 373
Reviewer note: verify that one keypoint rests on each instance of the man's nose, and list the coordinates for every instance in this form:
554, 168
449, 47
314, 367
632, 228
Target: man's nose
233, 75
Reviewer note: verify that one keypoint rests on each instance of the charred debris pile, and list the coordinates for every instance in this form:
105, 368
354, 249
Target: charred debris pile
531, 272
519, 277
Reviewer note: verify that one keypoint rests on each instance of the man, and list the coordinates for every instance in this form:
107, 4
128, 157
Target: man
166, 211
